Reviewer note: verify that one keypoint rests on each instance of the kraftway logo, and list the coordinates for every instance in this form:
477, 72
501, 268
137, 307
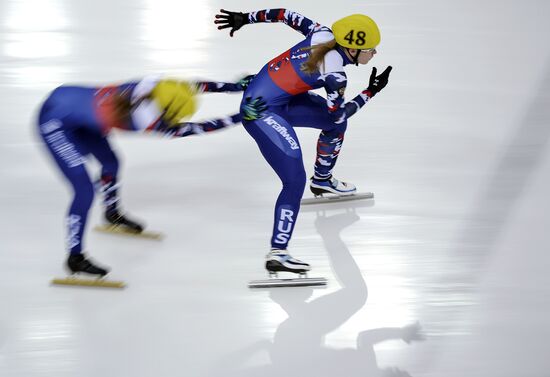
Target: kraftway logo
282, 131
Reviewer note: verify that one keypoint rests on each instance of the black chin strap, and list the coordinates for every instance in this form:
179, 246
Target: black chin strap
355, 59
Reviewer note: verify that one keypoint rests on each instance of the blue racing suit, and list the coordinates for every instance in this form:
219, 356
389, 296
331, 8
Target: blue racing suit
285, 88
74, 122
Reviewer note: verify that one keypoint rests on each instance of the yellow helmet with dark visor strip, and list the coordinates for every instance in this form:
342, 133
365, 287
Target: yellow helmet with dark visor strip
356, 31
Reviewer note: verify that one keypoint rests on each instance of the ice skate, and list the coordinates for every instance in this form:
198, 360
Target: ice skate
280, 261
119, 220
117, 223
332, 186
333, 190
79, 265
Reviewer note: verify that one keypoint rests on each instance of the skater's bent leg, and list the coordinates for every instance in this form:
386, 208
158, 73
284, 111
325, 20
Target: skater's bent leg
64, 148
67, 147
288, 204
310, 110
104, 153
280, 147
109, 186
78, 211
108, 183
329, 145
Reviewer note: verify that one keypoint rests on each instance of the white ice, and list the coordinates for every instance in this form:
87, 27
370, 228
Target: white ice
456, 242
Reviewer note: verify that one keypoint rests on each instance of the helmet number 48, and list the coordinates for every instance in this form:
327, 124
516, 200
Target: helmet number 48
360, 41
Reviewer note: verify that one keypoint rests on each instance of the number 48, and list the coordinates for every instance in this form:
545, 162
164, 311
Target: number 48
360, 41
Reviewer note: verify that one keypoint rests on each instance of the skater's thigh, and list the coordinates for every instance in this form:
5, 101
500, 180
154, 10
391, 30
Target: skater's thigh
96, 144
65, 147
309, 110
278, 144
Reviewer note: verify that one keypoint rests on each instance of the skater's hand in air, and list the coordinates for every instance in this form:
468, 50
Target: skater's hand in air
233, 20
377, 83
245, 81
253, 108
412, 333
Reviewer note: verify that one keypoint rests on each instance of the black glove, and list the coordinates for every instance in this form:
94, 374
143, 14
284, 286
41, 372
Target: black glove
253, 108
377, 83
245, 81
234, 20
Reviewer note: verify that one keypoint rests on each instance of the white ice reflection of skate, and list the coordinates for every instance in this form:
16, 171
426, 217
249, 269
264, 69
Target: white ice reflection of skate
298, 347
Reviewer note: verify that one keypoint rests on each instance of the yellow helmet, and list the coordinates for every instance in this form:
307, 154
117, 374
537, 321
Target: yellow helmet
176, 98
356, 31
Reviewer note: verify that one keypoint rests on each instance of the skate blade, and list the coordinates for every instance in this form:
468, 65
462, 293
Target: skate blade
102, 283
113, 229
337, 198
297, 282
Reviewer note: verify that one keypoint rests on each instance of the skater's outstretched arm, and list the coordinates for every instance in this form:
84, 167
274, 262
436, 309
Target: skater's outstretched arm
176, 99
198, 128
218, 87
335, 85
410, 333
236, 20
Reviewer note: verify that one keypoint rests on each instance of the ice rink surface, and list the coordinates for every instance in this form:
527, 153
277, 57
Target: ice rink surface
456, 243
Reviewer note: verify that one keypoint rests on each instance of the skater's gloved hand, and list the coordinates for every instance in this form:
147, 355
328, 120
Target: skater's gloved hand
377, 83
176, 99
245, 81
412, 333
253, 108
233, 20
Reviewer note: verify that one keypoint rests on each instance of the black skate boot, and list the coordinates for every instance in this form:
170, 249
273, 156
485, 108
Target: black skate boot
280, 260
79, 263
118, 220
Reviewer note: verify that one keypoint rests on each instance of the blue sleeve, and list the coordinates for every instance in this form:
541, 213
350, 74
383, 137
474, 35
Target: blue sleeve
295, 20
218, 87
197, 128
128, 86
